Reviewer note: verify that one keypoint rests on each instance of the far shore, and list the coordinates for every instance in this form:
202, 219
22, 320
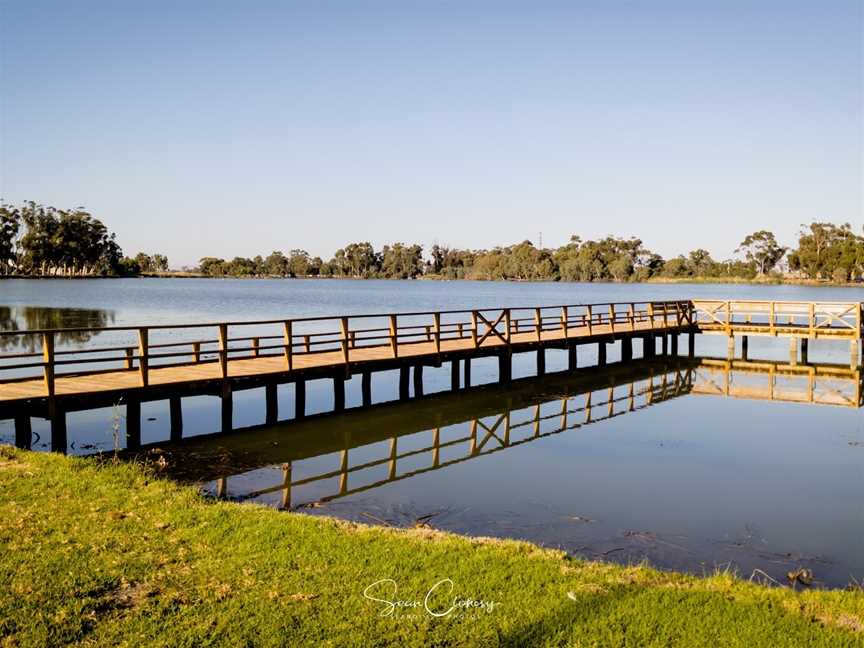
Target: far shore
758, 281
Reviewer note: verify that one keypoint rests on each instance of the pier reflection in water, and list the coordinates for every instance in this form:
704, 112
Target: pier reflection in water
618, 464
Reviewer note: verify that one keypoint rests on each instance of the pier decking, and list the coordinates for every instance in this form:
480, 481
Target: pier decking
49, 378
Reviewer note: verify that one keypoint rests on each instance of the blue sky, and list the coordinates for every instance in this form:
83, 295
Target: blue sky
228, 128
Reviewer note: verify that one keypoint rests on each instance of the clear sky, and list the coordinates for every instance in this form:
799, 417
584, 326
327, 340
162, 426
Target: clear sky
235, 128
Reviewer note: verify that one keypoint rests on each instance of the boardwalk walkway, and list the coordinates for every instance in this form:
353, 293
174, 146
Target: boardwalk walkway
42, 375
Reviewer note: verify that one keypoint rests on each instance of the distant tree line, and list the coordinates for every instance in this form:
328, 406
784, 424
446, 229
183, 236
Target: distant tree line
825, 251
39, 240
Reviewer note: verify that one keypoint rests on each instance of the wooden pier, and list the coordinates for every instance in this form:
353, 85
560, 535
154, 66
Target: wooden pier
42, 378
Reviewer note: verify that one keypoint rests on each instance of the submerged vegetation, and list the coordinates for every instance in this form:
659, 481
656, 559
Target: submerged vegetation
105, 553
44, 241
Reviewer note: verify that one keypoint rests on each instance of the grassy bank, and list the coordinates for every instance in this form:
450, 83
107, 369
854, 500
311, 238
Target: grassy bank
110, 555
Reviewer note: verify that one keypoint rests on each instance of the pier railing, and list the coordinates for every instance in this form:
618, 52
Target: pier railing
800, 318
35, 354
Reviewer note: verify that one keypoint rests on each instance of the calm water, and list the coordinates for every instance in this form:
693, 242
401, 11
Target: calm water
647, 462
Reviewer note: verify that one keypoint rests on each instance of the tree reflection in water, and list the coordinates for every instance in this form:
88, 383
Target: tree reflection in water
28, 318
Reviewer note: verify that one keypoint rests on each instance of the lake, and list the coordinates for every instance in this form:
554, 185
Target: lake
649, 461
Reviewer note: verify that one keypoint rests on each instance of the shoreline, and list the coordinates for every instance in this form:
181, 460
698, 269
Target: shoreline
772, 281
126, 552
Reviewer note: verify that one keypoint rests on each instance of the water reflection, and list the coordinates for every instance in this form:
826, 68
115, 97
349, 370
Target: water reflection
412, 464
26, 318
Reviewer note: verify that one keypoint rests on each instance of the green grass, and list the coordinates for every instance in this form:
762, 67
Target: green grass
105, 554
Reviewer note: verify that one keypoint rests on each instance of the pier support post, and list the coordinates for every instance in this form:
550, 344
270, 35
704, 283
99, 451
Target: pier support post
541, 361
58, 430
418, 380
601, 354
673, 338
23, 431
572, 357
649, 346
300, 399
227, 408
403, 382
133, 424
804, 344
505, 367
745, 344
793, 351
271, 400
854, 359
366, 388
626, 349
338, 393
691, 344
466, 373
175, 407
664, 346
454, 375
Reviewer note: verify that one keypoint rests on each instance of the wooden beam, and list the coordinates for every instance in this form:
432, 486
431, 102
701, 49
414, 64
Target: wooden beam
271, 400
175, 407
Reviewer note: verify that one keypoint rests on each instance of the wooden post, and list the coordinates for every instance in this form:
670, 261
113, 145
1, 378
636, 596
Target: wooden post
143, 361
745, 346
418, 380
466, 373
227, 407
255, 344
505, 368
730, 347
287, 339
612, 317
590, 317
307, 344
538, 324
853, 354
664, 346
58, 430
344, 326
133, 423
651, 314
23, 431
565, 321
394, 340
631, 316
507, 320
804, 345
626, 349
601, 354
649, 346
474, 328
674, 340
48, 366
403, 382
454, 374
541, 362
223, 349
691, 344
436, 324
130, 357
175, 405
300, 399
339, 392
366, 388
196, 352
271, 403
572, 358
